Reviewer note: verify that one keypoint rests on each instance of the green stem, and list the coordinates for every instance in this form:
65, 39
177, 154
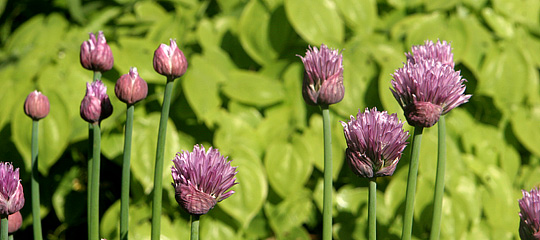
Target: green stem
90, 162
36, 216
411, 185
158, 169
439, 182
97, 76
4, 228
124, 198
195, 227
94, 185
10, 237
327, 199
372, 211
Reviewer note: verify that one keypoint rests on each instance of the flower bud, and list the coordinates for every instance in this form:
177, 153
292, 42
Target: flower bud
11, 192
96, 55
130, 88
14, 222
36, 105
96, 105
323, 76
170, 61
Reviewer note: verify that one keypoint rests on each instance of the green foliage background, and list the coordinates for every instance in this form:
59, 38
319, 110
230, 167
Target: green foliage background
242, 94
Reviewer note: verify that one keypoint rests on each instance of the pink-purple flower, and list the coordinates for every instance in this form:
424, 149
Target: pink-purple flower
170, 61
96, 55
11, 190
36, 105
202, 179
529, 205
130, 88
96, 105
323, 76
440, 52
375, 142
426, 90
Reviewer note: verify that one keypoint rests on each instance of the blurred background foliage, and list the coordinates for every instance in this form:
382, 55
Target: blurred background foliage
242, 94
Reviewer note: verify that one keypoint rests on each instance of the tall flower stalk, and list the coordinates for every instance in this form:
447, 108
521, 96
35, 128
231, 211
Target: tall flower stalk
439, 181
375, 143
11, 196
95, 107
36, 107
130, 88
201, 179
427, 87
168, 61
96, 56
323, 86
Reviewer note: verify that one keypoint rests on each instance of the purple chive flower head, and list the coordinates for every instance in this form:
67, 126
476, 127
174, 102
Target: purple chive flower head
96, 105
36, 105
375, 142
323, 76
96, 55
201, 179
170, 60
11, 190
130, 88
440, 52
426, 90
529, 205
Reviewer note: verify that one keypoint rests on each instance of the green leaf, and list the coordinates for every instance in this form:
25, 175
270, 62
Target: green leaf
497, 193
201, 87
359, 15
525, 125
252, 188
253, 89
506, 84
498, 23
313, 140
149, 11
292, 78
137, 53
360, 69
67, 202
287, 170
254, 32
140, 225
290, 213
525, 11
145, 131
318, 21
350, 199
235, 131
